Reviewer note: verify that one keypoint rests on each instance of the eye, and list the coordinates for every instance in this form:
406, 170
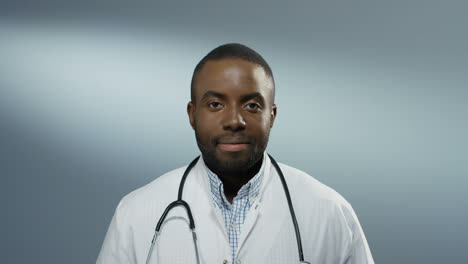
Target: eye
253, 107
214, 105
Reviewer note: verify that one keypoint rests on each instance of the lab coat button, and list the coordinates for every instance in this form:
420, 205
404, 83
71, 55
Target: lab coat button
238, 262
225, 262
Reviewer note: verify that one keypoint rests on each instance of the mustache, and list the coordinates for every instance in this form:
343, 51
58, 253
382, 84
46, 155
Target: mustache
232, 139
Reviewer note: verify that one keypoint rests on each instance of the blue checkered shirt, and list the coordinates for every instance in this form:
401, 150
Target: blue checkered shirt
234, 214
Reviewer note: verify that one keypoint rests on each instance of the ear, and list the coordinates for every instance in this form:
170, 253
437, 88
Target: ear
272, 115
191, 113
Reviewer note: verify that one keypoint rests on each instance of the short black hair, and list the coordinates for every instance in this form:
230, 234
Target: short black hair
231, 50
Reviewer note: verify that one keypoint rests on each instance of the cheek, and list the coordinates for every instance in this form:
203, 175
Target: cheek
261, 127
264, 122
205, 127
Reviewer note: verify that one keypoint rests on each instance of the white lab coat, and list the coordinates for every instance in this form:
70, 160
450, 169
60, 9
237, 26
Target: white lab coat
330, 230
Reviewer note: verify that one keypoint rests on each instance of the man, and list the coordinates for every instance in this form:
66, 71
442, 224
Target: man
235, 193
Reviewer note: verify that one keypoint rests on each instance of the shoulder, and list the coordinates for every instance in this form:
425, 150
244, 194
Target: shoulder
157, 193
309, 187
321, 202
327, 209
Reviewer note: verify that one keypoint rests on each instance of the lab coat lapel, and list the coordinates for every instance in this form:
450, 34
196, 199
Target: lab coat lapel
249, 224
212, 237
264, 215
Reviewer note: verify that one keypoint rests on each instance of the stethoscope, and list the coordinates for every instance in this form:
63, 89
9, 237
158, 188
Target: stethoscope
180, 202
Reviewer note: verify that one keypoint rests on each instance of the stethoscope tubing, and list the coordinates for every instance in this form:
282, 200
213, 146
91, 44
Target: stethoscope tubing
181, 202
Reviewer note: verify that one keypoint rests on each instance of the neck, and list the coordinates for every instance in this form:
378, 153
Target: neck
233, 181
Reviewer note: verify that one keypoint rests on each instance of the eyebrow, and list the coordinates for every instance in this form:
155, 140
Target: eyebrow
244, 98
251, 96
213, 94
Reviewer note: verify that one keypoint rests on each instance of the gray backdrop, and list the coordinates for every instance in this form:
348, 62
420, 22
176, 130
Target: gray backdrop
371, 101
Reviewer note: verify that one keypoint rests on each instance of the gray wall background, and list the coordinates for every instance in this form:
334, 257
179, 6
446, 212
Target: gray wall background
371, 101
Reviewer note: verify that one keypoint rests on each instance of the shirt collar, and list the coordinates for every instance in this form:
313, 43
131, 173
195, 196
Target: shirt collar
250, 190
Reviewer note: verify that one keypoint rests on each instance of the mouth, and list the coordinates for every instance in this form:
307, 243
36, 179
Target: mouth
233, 144
232, 147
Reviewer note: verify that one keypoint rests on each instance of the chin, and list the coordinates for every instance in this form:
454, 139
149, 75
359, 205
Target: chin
235, 163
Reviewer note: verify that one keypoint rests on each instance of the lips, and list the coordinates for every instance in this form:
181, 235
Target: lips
232, 147
232, 144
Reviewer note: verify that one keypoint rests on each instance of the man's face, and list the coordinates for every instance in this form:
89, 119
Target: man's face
232, 114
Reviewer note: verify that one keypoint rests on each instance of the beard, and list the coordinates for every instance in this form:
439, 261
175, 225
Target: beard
237, 163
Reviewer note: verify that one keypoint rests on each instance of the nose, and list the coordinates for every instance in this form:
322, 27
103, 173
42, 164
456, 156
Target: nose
233, 120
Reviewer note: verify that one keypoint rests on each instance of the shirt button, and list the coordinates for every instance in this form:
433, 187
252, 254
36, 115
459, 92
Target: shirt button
234, 225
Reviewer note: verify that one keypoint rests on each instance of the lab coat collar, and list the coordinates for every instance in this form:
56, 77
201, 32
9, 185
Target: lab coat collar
250, 189
255, 211
203, 177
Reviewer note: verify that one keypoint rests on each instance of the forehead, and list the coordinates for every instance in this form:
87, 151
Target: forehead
233, 77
